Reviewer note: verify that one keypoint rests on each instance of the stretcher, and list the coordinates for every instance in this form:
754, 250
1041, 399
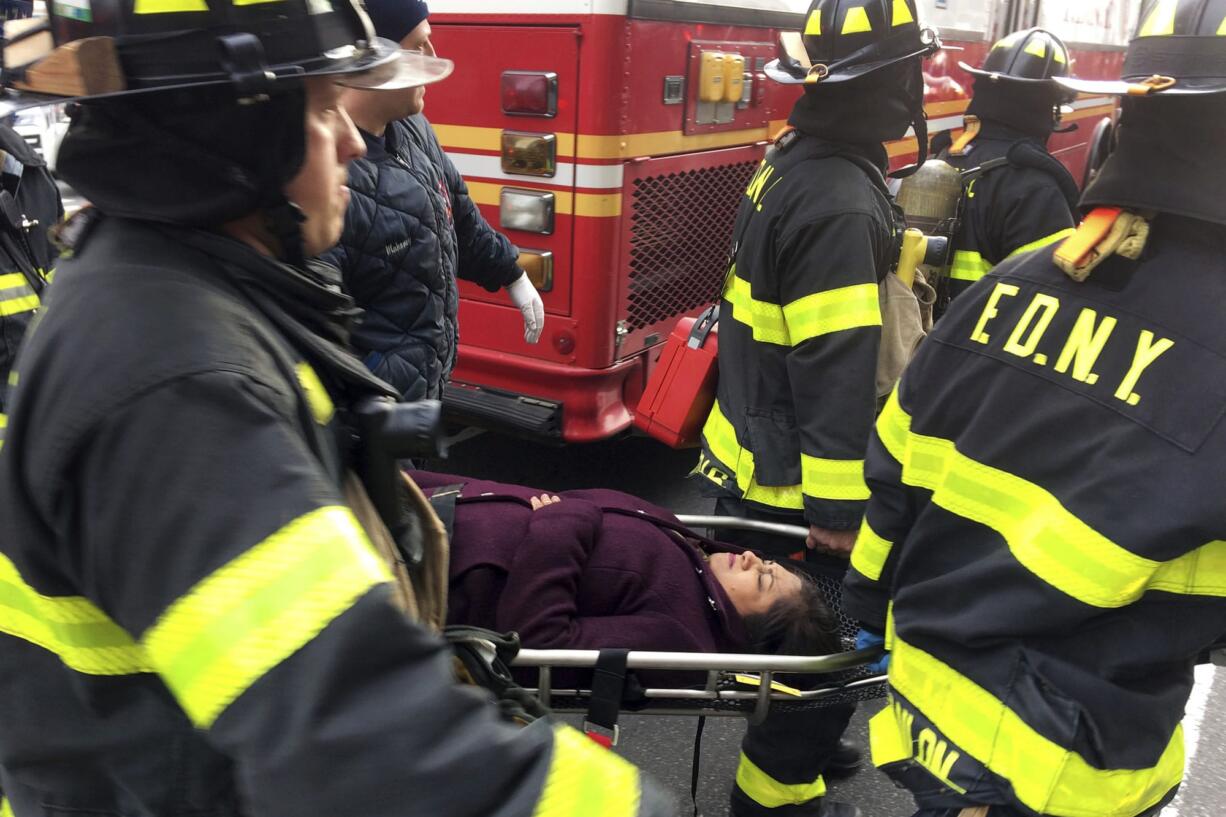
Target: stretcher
744, 685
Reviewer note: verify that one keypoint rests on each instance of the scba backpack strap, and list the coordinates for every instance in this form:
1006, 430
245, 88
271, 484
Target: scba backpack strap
483, 658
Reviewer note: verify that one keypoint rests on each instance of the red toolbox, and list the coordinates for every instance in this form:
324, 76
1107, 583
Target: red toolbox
681, 389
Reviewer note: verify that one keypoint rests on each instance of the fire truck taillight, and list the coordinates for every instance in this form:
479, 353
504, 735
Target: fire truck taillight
539, 266
528, 210
529, 154
530, 93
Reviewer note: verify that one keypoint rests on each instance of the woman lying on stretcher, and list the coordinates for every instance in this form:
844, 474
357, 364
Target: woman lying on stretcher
595, 569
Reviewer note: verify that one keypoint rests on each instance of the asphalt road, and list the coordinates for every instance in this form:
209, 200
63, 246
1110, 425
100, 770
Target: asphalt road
665, 745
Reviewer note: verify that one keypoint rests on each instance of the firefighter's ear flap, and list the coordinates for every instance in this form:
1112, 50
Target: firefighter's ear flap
793, 55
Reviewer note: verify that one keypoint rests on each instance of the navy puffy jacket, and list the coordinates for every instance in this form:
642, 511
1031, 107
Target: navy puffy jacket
411, 229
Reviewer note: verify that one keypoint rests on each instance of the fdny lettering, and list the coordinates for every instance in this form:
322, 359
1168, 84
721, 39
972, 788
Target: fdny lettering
1081, 347
929, 749
758, 188
712, 472
935, 755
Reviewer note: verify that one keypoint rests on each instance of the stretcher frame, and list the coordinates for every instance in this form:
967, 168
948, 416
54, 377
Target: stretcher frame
717, 698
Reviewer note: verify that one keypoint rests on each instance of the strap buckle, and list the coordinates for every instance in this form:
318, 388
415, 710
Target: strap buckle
606, 737
1152, 85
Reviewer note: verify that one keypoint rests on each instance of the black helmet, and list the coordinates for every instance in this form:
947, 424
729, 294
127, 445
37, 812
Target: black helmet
1030, 56
1179, 50
105, 48
848, 39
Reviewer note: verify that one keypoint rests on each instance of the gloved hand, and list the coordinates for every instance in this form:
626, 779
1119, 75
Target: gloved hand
525, 296
866, 639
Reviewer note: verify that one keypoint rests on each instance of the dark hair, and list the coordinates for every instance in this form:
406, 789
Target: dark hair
801, 624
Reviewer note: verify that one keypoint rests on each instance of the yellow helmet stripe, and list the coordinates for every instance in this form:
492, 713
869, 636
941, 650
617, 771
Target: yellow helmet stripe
813, 28
1161, 21
856, 21
169, 6
902, 13
1038, 48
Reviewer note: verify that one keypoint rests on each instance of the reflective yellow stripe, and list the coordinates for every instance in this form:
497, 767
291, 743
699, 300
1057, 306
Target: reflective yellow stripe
13, 279
80, 634
1043, 242
902, 13
585, 778
721, 438
169, 6
1161, 20
821, 313
813, 28
254, 2
317, 396
768, 792
1042, 534
15, 306
871, 550
764, 318
6, 809
253, 613
837, 310
856, 21
4, 424
833, 479
1046, 777
969, 266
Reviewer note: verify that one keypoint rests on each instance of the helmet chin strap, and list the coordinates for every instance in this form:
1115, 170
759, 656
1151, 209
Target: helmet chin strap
284, 220
919, 124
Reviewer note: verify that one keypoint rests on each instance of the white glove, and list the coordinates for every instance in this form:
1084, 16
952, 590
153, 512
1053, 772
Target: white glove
525, 296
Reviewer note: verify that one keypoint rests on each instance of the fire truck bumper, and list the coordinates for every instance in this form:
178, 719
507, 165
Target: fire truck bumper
541, 399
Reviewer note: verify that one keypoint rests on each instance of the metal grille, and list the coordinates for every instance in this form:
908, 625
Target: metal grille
680, 232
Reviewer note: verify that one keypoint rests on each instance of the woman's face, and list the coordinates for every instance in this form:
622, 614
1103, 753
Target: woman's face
752, 585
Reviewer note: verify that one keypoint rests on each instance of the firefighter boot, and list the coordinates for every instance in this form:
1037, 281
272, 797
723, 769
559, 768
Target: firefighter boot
743, 805
846, 759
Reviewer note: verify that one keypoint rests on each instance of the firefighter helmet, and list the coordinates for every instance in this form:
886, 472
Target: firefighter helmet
848, 39
1030, 56
1179, 50
106, 48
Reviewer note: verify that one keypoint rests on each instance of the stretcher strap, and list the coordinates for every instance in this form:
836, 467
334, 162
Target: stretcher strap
443, 501
606, 703
696, 763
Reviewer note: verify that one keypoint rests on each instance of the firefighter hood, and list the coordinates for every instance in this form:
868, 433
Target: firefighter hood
859, 64
1169, 156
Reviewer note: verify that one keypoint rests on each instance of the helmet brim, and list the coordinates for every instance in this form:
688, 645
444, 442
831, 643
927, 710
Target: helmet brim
1128, 86
998, 76
388, 67
778, 73
383, 65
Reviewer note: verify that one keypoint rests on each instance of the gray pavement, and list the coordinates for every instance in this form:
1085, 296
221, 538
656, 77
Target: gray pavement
665, 745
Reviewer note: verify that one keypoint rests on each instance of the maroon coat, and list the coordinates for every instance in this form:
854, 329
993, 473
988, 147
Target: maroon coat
601, 569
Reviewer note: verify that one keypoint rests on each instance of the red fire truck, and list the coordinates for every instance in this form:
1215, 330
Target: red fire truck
611, 140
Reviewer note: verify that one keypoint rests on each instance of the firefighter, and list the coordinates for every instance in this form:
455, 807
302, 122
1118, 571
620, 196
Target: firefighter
192, 619
29, 207
1021, 198
801, 326
1045, 546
